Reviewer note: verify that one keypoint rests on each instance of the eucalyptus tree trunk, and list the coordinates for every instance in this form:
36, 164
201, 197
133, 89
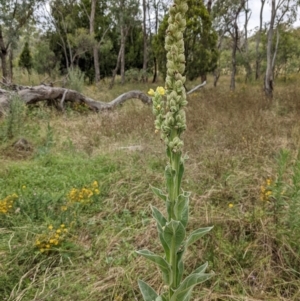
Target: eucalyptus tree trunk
145, 42
95, 47
276, 50
268, 80
246, 46
233, 55
123, 38
258, 38
116, 68
155, 5
235, 38
10, 59
3, 57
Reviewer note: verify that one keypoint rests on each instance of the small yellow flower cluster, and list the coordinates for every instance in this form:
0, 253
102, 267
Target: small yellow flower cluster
82, 195
159, 90
52, 238
6, 204
266, 190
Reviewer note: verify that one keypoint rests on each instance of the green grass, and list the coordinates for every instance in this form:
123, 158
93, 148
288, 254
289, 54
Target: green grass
234, 141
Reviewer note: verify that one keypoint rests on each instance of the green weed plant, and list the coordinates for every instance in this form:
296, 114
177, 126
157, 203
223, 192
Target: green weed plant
168, 107
14, 118
75, 80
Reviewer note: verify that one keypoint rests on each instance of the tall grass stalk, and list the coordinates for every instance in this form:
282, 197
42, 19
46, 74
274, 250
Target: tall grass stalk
168, 107
14, 118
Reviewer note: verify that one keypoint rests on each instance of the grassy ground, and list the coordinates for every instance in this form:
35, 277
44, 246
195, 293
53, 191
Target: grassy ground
59, 242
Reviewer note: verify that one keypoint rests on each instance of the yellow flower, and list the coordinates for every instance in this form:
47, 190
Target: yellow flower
58, 231
23, 187
151, 92
97, 191
158, 107
230, 205
50, 227
161, 90
95, 184
63, 208
62, 225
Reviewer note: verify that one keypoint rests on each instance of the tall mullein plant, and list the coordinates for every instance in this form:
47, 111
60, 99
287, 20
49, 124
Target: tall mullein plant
168, 107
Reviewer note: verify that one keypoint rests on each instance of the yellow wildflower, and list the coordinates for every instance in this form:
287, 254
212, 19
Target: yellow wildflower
161, 90
230, 205
50, 227
95, 184
151, 92
97, 191
23, 187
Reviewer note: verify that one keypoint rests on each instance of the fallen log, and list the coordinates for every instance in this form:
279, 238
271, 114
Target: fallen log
59, 96
33, 95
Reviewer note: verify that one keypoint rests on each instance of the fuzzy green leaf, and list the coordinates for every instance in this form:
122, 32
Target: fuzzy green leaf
158, 192
181, 208
184, 290
180, 267
201, 268
162, 264
195, 235
158, 216
174, 234
147, 291
161, 222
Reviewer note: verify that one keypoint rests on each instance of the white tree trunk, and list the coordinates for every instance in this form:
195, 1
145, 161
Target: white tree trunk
268, 81
95, 47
